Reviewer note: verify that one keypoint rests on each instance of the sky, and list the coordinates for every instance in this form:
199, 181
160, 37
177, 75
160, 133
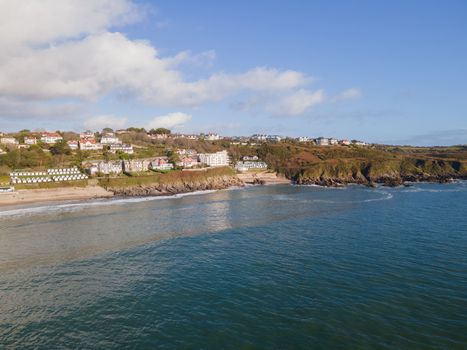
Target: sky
380, 71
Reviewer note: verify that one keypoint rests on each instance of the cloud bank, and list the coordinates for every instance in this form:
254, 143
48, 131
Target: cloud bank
55, 50
169, 121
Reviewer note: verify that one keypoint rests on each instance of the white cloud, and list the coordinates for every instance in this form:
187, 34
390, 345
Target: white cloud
32, 22
65, 49
169, 121
298, 103
349, 94
104, 121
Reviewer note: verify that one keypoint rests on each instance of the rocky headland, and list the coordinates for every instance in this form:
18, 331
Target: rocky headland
388, 172
177, 186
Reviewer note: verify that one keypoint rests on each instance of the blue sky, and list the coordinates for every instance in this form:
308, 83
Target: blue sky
392, 71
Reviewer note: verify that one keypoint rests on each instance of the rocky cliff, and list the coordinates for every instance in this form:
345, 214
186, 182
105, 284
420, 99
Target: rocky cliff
388, 172
178, 186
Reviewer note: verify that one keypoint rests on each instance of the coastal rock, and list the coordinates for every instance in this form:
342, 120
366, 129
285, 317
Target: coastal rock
157, 189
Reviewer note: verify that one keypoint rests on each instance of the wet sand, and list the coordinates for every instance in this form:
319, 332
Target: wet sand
53, 194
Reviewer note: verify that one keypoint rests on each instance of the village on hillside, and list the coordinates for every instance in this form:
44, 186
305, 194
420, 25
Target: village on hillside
57, 157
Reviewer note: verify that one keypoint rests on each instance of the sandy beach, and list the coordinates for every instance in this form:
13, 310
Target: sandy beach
266, 177
55, 194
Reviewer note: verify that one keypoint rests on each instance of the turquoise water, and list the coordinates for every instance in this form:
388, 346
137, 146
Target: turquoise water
275, 267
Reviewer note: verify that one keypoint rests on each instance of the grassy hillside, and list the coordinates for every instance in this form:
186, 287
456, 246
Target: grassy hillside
341, 164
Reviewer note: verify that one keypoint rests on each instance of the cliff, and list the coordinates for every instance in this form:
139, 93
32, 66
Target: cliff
389, 165
390, 172
173, 183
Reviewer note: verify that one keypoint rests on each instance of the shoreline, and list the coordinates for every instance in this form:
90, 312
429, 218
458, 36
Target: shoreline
37, 196
81, 194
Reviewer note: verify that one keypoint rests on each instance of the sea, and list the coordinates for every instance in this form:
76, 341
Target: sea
260, 267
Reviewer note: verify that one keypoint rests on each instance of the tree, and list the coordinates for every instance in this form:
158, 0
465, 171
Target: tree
160, 131
107, 130
60, 148
174, 158
136, 129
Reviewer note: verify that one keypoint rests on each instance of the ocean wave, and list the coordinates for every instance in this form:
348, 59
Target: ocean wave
433, 190
74, 206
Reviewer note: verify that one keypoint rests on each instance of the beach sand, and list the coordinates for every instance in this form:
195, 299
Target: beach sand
54, 194
267, 177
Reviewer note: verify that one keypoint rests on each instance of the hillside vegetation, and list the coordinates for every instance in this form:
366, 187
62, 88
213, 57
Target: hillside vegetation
339, 165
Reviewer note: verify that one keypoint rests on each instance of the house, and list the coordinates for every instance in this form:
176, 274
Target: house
104, 167
212, 137
136, 165
87, 135
249, 165
128, 149
259, 137
214, 159
273, 138
184, 136
161, 163
359, 143
110, 139
51, 137
187, 152
30, 140
89, 145
158, 136
250, 158
322, 141
188, 162
303, 139
73, 145
333, 141
345, 142
9, 141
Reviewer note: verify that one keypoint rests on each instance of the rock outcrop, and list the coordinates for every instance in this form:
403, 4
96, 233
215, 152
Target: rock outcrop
388, 172
182, 186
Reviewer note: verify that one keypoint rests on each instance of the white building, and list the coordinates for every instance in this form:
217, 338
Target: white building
259, 137
87, 135
322, 141
273, 138
105, 167
214, 159
73, 145
187, 152
128, 149
249, 165
250, 158
9, 141
30, 140
51, 137
89, 145
303, 139
333, 141
212, 137
359, 143
110, 139
136, 165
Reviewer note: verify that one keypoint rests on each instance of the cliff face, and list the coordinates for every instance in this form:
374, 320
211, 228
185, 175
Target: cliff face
179, 186
390, 172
